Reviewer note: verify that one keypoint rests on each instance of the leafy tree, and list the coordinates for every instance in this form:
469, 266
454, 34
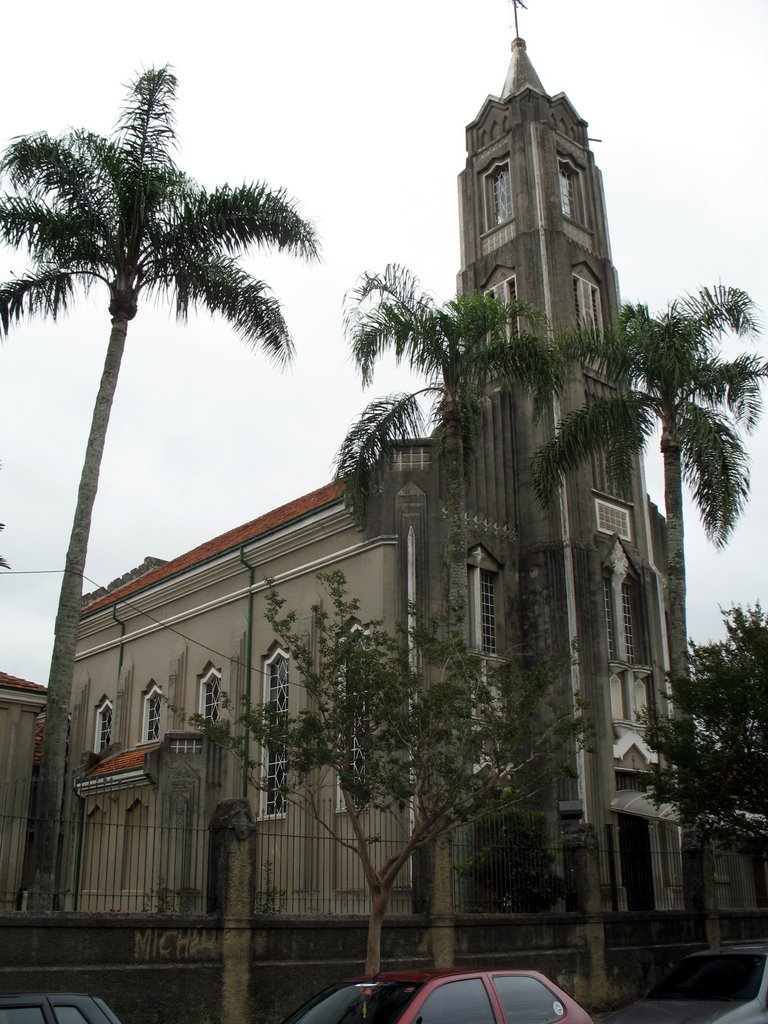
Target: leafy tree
513, 867
117, 212
461, 348
438, 745
714, 747
666, 371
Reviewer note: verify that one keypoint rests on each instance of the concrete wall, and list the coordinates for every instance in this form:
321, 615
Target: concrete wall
177, 969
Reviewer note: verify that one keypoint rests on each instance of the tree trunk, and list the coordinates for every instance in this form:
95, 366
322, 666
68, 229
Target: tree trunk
50, 789
673, 503
456, 525
379, 904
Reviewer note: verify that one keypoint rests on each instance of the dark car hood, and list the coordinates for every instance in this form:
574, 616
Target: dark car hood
687, 1011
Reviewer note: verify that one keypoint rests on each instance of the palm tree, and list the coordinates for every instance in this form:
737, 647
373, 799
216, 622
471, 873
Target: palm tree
460, 347
118, 212
667, 372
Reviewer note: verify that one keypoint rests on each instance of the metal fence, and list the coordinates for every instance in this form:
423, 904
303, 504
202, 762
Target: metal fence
137, 850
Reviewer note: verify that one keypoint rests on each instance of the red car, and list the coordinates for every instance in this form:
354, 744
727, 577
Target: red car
443, 997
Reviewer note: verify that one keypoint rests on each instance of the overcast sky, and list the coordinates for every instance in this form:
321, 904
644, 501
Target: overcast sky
358, 109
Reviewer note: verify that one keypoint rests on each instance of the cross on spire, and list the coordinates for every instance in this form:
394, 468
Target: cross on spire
515, 5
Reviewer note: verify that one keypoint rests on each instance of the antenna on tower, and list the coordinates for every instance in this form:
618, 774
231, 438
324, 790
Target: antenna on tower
515, 5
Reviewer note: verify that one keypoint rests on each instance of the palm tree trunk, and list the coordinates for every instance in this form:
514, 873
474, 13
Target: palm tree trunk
456, 526
673, 503
50, 789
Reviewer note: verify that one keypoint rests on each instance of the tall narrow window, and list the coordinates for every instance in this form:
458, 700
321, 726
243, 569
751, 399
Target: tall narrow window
153, 703
483, 604
586, 303
568, 178
488, 611
608, 603
498, 195
506, 291
210, 695
628, 624
103, 725
276, 683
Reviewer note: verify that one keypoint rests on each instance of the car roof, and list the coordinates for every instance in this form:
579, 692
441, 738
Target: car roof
429, 973
45, 995
732, 950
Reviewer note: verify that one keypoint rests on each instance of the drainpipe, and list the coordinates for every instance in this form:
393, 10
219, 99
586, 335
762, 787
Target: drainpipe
120, 648
248, 667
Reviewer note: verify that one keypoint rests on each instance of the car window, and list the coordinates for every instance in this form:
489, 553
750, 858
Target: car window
526, 1000
22, 1015
357, 1003
735, 976
458, 1002
69, 1015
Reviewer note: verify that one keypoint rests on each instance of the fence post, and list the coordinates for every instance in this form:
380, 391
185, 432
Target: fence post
699, 883
583, 856
442, 922
232, 875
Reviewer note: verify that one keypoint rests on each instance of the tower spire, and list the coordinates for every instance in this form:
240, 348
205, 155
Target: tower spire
521, 74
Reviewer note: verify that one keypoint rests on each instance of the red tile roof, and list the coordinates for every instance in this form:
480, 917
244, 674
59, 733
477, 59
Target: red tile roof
126, 760
282, 516
14, 683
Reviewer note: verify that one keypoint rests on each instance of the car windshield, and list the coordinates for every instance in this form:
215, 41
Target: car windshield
362, 1002
735, 976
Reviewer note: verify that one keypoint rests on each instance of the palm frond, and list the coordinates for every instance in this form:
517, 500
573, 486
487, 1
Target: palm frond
45, 294
617, 426
734, 384
233, 219
720, 309
71, 177
221, 286
715, 467
370, 445
389, 311
146, 130
526, 361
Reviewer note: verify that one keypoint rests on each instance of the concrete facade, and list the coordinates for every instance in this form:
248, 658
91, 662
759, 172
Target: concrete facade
21, 704
589, 574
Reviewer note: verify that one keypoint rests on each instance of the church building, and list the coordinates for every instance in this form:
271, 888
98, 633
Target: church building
587, 576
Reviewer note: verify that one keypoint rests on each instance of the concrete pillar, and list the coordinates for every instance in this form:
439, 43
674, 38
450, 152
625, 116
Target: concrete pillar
583, 857
699, 883
442, 921
232, 882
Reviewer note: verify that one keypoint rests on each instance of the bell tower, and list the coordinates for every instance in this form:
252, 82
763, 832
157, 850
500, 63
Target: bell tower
533, 222
534, 227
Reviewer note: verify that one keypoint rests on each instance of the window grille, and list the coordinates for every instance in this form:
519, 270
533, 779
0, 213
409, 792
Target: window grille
152, 716
211, 696
568, 190
626, 613
502, 194
608, 602
612, 519
103, 725
275, 768
488, 611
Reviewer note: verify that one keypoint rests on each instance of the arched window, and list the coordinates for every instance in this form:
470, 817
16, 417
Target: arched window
498, 195
103, 736
153, 703
210, 694
276, 693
